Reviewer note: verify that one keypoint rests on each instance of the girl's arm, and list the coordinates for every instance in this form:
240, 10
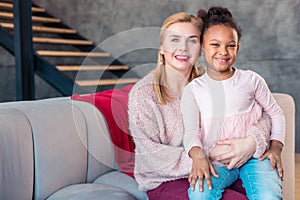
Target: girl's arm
201, 167
265, 98
191, 119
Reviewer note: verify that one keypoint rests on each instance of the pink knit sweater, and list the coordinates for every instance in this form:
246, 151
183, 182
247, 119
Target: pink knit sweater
158, 135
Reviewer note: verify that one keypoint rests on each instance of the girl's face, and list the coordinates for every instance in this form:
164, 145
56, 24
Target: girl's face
181, 46
220, 47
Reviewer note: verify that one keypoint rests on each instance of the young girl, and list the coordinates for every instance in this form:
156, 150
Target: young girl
223, 104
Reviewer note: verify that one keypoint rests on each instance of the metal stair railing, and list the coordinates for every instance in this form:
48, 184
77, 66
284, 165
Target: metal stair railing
29, 62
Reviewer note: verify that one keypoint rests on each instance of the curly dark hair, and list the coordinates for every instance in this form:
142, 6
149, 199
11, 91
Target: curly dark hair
216, 16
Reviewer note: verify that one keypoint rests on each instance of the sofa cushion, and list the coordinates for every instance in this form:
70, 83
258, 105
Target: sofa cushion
91, 192
121, 180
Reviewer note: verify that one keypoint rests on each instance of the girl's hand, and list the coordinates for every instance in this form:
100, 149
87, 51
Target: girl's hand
201, 169
274, 154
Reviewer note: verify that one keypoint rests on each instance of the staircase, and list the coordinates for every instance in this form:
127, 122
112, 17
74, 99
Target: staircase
62, 57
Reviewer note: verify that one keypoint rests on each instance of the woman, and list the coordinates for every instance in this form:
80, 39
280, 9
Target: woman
155, 121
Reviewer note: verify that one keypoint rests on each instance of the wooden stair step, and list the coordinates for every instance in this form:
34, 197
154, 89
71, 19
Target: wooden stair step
72, 53
7, 15
91, 67
53, 30
61, 41
9, 6
106, 82
42, 29
45, 19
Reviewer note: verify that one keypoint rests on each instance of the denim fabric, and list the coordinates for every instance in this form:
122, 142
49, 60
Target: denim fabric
259, 181
225, 179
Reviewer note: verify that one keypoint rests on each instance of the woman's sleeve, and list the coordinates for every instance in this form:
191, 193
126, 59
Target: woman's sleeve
153, 156
261, 133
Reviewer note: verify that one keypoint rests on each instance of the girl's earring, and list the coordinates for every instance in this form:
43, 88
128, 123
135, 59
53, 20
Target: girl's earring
161, 62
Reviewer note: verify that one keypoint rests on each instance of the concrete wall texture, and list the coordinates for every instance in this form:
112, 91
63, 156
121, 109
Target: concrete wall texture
269, 45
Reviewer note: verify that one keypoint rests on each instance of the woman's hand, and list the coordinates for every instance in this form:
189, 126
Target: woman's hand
201, 169
274, 154
235, 152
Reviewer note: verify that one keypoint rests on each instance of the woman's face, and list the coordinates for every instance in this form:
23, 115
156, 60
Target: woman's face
220, 47
181, 46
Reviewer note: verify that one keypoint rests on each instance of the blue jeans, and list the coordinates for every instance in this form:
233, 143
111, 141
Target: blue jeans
259, 181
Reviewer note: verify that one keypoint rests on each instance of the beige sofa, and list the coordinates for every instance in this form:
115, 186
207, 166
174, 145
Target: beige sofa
61, 149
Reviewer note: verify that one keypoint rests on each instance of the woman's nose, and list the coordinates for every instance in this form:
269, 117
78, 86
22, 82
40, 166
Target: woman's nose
183, 46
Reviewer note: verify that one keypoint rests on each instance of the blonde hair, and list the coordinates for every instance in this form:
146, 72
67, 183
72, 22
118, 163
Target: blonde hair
159, 77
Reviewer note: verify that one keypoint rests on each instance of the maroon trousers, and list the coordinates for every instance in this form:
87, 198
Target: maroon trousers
177, 190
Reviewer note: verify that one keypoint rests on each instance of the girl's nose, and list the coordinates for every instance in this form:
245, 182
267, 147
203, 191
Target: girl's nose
223, 50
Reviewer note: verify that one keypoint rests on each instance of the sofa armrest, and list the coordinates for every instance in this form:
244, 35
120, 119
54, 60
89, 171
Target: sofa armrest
16, 155
287, 104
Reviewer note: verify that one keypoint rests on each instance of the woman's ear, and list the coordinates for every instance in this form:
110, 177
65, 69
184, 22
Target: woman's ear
161, 51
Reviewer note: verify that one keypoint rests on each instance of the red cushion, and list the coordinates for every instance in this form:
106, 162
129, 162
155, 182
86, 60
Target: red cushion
113, 105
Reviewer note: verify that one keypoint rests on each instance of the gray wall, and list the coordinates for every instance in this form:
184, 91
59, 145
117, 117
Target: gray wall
269, 46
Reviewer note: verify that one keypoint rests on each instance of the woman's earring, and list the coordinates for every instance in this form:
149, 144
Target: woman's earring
161, 62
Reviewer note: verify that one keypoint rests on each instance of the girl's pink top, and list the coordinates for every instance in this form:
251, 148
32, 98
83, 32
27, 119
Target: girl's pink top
219, 110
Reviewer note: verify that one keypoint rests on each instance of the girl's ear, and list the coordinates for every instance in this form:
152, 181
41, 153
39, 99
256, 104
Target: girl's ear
238, 48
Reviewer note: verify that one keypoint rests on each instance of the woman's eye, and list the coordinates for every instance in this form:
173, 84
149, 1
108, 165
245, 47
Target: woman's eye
174, 40
193, 41
231, 46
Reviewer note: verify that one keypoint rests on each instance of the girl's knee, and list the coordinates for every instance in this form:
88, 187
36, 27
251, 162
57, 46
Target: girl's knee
206, 194
197, 194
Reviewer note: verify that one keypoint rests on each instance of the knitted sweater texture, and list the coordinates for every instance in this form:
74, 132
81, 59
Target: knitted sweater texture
158, 135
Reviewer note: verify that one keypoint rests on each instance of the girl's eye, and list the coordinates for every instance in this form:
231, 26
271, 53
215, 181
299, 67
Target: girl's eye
231, 46
215, 45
